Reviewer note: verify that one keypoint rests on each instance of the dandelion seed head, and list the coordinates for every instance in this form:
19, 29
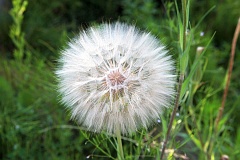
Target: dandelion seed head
115, 76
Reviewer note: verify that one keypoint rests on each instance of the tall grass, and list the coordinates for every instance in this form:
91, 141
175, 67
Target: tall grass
33, 125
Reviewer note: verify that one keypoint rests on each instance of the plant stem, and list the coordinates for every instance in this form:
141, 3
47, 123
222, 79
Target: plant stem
221, 109
181, 78
231, 62
119, 140
184, 4
173, 114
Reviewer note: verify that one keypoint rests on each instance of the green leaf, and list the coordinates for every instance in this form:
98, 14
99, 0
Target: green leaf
192, 71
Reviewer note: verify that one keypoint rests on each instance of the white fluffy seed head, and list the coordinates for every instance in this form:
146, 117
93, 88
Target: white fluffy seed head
115, 77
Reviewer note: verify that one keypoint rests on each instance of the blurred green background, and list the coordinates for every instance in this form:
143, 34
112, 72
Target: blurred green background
34, 125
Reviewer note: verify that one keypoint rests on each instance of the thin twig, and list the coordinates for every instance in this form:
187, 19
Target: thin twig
181, 78
173, 114
231, 62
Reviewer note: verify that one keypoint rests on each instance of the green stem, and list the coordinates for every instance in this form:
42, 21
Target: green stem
184, 10
119, 140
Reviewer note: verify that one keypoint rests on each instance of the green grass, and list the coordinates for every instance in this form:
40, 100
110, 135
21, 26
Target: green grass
34, 125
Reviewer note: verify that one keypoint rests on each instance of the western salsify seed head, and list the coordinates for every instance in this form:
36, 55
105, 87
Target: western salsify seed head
115, 76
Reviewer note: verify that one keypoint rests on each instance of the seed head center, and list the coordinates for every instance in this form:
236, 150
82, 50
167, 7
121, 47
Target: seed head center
116, 78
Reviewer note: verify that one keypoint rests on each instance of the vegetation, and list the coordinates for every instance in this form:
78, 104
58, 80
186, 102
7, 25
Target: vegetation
34, 125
